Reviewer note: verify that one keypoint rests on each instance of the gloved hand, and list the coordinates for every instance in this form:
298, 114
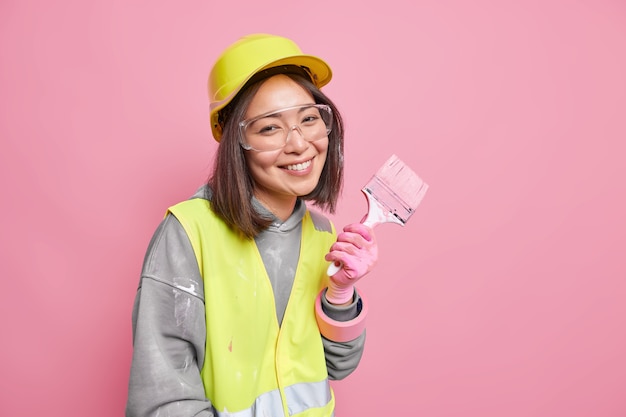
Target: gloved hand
356, 248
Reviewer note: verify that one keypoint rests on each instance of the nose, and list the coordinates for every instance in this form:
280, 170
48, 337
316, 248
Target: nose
295, 138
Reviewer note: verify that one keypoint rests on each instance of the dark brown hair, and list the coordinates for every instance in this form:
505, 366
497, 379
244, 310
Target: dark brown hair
232, 184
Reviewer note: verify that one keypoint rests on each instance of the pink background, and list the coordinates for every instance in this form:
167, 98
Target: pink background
503, 296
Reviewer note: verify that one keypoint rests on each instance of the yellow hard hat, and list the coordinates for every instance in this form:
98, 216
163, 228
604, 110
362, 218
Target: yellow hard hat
249, 55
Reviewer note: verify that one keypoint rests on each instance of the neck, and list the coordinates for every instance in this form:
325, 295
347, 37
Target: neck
281, 208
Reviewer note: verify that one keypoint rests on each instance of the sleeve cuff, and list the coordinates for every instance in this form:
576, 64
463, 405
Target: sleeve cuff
340, 331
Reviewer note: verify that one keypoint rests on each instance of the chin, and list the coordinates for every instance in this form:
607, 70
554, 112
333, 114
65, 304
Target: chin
304, 191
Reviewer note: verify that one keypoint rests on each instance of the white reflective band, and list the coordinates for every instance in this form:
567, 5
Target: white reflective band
300, 397
268, 404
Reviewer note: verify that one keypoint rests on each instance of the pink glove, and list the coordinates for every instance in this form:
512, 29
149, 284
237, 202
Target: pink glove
357, 250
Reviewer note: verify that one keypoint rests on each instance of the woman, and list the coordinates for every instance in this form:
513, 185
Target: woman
235, 314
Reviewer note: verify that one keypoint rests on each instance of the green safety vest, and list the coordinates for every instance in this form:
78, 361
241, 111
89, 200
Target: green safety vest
253, 367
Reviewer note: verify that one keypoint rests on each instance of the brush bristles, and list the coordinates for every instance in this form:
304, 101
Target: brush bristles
402, 181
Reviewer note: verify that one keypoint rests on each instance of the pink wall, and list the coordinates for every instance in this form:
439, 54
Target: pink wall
504, 295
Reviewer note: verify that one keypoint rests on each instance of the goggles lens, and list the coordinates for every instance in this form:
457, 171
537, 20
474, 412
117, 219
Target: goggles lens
272, 130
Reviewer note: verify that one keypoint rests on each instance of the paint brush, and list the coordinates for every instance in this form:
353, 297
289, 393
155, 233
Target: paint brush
392, 194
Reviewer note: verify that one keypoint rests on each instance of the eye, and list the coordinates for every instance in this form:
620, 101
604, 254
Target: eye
268, 129
310, 119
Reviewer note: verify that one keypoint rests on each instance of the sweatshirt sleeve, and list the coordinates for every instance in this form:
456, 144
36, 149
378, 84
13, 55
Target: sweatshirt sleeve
169, 330
342, 358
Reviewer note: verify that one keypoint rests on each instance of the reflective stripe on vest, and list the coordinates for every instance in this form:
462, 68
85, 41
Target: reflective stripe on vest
300, 397
253, 367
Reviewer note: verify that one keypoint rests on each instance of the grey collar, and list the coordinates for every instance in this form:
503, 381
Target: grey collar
277, 225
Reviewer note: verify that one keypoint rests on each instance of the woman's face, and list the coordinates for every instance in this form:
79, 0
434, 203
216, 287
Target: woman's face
294, 170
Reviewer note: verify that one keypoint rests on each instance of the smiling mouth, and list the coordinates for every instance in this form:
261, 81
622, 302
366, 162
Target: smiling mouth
299, 167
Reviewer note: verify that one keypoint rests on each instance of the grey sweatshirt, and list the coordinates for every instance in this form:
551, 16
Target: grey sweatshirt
168, 321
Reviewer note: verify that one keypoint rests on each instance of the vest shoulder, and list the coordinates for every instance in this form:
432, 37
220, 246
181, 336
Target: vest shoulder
321, 222
195, 203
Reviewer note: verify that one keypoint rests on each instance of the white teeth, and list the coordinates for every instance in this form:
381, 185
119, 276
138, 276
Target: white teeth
299, 167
